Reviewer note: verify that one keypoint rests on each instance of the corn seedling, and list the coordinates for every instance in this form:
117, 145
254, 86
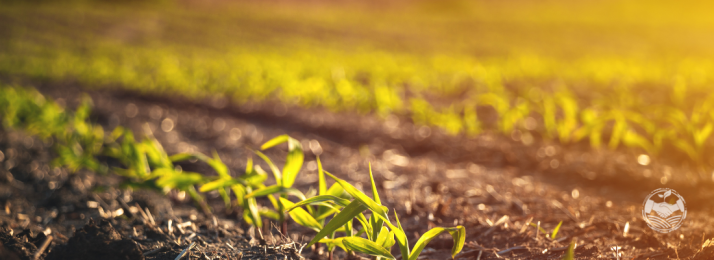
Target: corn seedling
380, 233
284, 179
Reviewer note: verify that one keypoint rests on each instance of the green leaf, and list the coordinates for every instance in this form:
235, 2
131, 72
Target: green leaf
219, 183
317, 199
254, 179
458, 234
367, 227
382, 237
273, 168
219, 166
179, 180
348, 213
570, 252
337, 191
326, 214
273, 189
389, 241
374, 187
334, 242
362, 245
269, 213
301, 216
293, 162
249, 166
401, 237
539, 228
182, 157
322, 190
275, 141
254, 210
377, 224
375, 207
555, 230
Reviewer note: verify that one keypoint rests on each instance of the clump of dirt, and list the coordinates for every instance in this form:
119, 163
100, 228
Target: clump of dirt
98, 241
20, 246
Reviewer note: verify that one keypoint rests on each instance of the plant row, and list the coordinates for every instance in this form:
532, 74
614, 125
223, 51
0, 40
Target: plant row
334, 212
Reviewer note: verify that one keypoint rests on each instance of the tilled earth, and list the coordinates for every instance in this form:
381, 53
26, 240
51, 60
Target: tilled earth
492, 184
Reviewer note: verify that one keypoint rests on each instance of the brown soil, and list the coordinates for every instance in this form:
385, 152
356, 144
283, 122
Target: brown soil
428, 177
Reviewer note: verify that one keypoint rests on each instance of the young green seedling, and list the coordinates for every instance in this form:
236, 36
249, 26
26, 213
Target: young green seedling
370, 245
284, 180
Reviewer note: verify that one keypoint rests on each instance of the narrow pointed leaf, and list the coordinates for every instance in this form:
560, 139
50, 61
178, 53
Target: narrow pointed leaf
273, 168
362, 245
334, 242
374, 187
293, 162
217, 184
275, 141
322, 190
326, 214
347, 214
401, 237
182, 157
376, 208
273, 189
365, 224
570, 252
301, 216
458, 234
219, 166
389, 241
555, 230
269, 213
383, 233
318, 199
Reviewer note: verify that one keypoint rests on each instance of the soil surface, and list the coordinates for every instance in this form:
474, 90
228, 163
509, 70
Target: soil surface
492, 184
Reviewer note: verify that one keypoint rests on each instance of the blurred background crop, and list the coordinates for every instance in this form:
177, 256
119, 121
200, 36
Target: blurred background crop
630, 75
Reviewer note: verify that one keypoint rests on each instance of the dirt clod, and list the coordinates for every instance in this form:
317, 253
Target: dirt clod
98, 242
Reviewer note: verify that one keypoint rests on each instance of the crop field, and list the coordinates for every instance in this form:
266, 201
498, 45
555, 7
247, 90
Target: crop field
289, 130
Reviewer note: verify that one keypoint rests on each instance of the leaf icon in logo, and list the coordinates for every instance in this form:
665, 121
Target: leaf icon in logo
666, 194
660, 195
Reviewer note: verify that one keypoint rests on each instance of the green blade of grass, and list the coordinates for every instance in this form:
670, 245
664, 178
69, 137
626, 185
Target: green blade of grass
322, 189
555, 230
539, 228
269, 213
337, 191
366, 225
219, 183
334, 242
339, 201
383, 233
375, 195
378, 209
273, 189
219, 166
389, 241
326, 214
179, 180
400, 236
458, 234
348, 213
293, 162
362, 245
301, 216
253, 209
570, 252
275, 141
273, 168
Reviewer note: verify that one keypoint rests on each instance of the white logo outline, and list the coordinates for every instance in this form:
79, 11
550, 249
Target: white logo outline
662, 217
